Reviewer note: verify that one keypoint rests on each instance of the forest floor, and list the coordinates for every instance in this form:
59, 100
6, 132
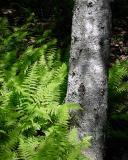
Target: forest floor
119, 40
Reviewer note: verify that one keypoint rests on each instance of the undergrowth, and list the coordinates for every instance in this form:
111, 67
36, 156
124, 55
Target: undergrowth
118, 99
34, 120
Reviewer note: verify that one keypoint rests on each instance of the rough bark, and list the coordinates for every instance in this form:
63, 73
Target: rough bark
87, 82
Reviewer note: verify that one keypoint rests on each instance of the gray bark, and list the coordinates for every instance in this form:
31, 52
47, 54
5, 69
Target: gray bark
87, 81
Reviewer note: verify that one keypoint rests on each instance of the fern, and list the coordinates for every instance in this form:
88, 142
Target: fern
118, 91
34, 120
118, 88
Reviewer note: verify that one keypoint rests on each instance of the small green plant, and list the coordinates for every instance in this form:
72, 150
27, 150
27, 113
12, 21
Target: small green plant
33, 117
118, 96
118, 86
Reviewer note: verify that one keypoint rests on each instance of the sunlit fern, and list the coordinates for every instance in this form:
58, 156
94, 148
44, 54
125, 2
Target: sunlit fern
33, 118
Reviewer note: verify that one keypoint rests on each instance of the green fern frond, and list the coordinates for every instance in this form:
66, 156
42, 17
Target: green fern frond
27, 148
118, 91
117, 87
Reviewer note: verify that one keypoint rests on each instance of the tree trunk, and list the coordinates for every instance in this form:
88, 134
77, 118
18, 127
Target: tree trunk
87, 82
